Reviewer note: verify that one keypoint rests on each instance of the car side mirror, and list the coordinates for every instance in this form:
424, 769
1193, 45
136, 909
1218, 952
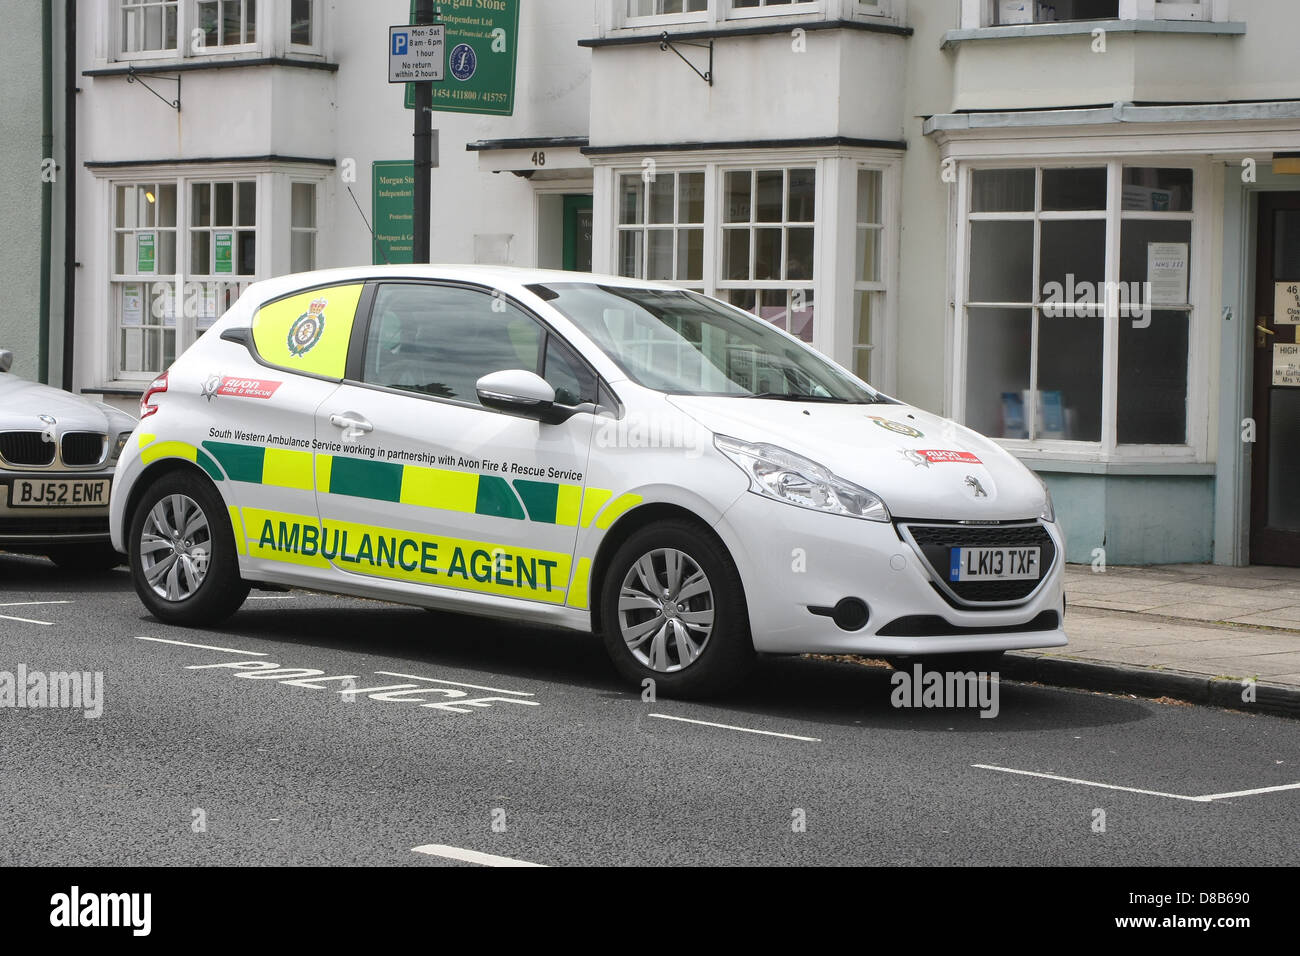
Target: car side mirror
6, 360
519, 392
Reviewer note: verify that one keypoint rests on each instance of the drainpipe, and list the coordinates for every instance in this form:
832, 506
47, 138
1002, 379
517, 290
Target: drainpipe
69, 190
47, 188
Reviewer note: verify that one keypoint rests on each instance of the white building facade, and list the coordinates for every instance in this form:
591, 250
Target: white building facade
1047, 220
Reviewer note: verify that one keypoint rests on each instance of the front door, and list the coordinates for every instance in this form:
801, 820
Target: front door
1275, 477
577, 233
425, 485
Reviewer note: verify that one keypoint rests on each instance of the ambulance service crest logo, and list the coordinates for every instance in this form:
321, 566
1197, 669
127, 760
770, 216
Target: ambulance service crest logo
307, 329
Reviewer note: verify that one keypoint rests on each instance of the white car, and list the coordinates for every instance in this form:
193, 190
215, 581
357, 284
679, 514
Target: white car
596, 453
57, 453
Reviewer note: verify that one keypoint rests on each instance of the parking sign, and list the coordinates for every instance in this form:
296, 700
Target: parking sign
416, 53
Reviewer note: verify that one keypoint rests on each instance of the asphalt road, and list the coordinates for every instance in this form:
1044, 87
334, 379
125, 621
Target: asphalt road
546, 757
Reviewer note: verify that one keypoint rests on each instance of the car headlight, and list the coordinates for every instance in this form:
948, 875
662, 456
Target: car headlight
1049, 509
776, 473
119, 445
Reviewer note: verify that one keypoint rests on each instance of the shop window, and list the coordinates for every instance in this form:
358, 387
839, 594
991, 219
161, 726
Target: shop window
1058, 320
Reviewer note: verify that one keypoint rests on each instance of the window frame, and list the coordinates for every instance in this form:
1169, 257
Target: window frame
729, 10
118, 31
980, 14
1195, 448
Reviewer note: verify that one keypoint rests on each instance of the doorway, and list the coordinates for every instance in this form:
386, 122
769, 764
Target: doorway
577, 233
1275, 469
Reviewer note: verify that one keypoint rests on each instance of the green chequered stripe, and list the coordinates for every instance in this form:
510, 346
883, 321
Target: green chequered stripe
464, 492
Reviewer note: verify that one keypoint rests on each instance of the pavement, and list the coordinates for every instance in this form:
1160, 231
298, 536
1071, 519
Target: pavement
1196, 632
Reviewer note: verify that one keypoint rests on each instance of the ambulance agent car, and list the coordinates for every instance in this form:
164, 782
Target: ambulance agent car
602, 454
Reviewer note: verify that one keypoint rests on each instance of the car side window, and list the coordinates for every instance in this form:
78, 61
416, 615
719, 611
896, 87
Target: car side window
440, 340
573, 382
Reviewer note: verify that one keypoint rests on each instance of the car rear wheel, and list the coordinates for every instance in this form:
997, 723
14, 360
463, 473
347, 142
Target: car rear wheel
673, 611
183, 560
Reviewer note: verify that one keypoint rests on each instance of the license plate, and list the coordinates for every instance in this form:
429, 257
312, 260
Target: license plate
29, 493
994, 564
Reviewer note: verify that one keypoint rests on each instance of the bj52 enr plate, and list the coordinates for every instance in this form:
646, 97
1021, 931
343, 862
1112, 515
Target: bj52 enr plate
994, 564
59, 493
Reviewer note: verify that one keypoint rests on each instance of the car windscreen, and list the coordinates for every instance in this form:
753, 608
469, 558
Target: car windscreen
684, 343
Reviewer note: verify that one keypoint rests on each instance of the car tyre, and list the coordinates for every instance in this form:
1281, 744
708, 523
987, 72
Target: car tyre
673, 611
182, 552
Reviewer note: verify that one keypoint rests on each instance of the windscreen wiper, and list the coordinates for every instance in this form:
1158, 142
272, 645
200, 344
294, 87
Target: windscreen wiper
785, 397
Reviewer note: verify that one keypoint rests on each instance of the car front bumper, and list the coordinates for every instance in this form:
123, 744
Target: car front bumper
796, 564
35, 529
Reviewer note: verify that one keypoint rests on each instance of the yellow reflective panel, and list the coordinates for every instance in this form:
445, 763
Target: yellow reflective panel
308, 332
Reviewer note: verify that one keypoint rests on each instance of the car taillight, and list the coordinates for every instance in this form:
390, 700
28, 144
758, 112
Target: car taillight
156, 387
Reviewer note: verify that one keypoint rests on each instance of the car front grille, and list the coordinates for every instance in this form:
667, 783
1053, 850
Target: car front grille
26, 448
82, 448
936, 542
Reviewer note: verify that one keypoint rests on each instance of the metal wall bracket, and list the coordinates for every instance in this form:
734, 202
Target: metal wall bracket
134, 76
666, 43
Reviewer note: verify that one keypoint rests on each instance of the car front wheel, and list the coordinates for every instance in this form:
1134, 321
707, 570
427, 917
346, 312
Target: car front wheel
182, 550
673, 612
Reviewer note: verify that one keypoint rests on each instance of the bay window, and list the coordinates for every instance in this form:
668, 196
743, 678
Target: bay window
1076, 320
227, 22
183, 250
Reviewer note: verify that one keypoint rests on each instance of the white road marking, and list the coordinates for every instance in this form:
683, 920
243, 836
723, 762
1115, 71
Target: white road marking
748, 730
26, 620
470, 856
434, 680
33, 603
1205, 798
1250, 793
271, 597
203, 647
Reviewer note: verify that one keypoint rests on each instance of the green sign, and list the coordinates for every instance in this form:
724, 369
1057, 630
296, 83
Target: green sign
392, 186
224, 247
482, 37
145, 257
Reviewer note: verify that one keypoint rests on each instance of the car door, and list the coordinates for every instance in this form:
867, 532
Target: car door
417, 482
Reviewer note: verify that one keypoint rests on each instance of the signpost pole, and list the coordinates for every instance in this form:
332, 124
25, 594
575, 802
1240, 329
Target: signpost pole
423, 148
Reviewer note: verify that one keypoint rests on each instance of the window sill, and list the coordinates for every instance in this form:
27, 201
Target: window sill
1117, 468
741, 28
211, 61
954, 38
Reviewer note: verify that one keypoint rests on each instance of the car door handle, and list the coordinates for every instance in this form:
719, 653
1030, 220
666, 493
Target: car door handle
351, 422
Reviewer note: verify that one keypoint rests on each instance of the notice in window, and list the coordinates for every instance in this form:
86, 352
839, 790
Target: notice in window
223, 246
1167, 273
132, 305
1286, 365
1286, 303
146, 257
